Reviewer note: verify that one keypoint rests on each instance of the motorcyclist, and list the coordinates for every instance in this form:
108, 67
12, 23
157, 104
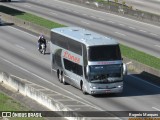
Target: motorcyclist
40, 41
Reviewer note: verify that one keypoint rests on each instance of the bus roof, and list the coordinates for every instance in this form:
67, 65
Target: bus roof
82, 35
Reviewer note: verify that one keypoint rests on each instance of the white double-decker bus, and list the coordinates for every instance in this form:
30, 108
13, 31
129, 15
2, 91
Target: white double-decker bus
87, 60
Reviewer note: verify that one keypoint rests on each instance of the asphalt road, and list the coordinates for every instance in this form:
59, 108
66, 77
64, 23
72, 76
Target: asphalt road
19, 56
145, 5
135, 34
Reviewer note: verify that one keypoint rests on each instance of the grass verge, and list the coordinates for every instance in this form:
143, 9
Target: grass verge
8, 104
30, 17
126, 51
140, 56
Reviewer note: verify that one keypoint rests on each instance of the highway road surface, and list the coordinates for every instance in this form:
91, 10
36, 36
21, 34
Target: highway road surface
151, 6
19, 56
141, 36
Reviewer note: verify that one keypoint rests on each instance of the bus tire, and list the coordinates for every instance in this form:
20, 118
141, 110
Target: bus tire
63, 79
59, 76
82, 88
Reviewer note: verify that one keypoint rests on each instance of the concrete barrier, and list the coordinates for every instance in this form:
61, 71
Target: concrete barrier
137, 66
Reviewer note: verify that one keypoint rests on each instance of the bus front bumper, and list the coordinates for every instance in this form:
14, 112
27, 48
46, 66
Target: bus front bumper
115, 89
106, 91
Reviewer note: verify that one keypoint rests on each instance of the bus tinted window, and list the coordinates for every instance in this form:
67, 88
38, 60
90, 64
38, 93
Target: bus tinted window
75, 46
53, 37
59, 40
66, 43
62, 42
104, 53
73, 67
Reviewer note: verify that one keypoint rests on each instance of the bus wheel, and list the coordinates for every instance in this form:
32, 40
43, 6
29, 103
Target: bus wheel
58, 74
63, 79
82, 88
60, 77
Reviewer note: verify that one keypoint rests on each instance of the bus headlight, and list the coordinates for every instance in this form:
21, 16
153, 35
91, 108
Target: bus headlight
93, 87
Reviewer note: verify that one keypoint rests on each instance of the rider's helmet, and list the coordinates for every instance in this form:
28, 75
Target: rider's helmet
41, 37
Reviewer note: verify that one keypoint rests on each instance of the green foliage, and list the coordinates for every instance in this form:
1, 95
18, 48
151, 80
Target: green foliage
99, 0
140, 56
116, 1
8, 104
40, 21
131, 7
123, 2
30, 17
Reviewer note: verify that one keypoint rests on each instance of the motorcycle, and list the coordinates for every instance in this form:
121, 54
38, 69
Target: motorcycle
42, 50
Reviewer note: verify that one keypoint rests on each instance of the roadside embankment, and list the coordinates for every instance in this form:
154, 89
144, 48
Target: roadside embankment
11, 100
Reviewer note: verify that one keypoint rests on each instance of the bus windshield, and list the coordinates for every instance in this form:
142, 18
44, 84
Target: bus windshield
104, 53
101, 73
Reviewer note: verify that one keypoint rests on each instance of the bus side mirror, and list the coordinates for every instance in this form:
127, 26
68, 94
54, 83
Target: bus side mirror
124, 69
87, 70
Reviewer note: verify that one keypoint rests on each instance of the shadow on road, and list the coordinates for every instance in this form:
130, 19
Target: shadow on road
17, 1
137, 85
47, 53
10, 11
7, 24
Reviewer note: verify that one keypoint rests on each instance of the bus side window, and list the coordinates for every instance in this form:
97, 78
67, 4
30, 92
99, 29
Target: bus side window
79, 70
75, 47
53, 59
73, 67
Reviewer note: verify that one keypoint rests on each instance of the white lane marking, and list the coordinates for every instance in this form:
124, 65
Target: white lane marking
132, 28
27, 6
142, 30
89, 104
110, 21
92, 16
156, 108
139, 1
23, 31
107, 13
84, 14
157, 45
120, 33
62, 8
53, 13
75, 12
85, 22
121, 24
66, 9
145, 81
101, 19
20, 46
154, 34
